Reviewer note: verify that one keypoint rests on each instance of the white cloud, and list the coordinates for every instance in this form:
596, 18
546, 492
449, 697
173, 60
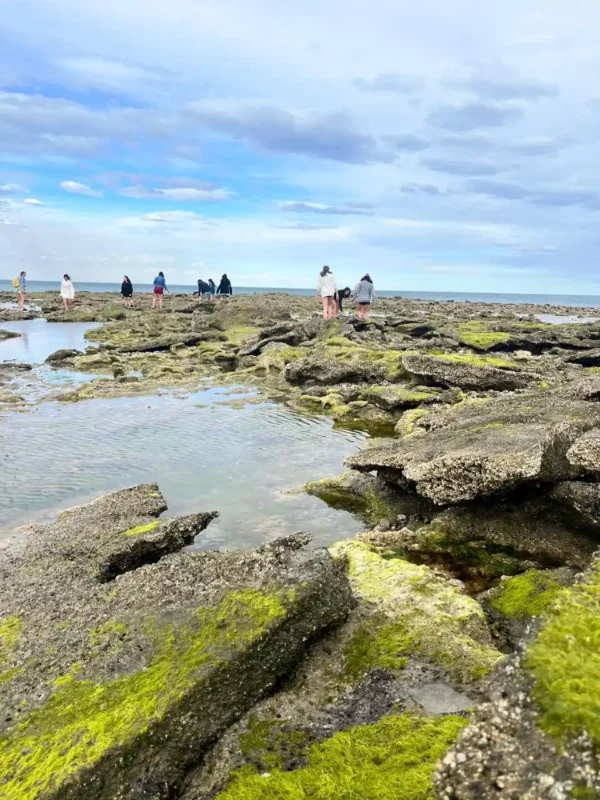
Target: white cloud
10, 188
173, 217
33, 202
183, 194
79, 188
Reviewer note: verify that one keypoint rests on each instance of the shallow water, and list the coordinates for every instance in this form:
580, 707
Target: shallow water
203, 453
40, 338
554, 319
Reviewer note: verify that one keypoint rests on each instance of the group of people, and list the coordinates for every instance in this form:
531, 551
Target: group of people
67, 290
208, 290
333, 298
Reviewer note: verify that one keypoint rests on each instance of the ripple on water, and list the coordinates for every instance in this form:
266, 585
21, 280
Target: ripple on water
202, 453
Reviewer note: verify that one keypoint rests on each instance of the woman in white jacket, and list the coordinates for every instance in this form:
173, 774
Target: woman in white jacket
326, 290
67, 292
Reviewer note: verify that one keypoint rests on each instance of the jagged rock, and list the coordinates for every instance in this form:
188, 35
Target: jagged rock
483, 448
62, 355
537, 735
165, 343
584, 453
512, 604
112, 687
8, 335
395, 398
328, 372
584, 498
468, 372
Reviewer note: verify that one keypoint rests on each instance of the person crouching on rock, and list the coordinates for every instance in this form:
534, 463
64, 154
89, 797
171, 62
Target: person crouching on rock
339, 300
203, 290
160, 287
364, 295
67, 292
326, 292
127, 291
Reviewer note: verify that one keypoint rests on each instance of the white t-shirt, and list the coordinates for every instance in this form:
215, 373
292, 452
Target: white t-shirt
326, 285
67, 290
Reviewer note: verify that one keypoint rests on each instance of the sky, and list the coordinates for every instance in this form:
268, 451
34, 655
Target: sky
438, 146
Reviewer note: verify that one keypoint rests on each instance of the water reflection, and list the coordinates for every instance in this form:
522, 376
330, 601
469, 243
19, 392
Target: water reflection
203, 453
40, 338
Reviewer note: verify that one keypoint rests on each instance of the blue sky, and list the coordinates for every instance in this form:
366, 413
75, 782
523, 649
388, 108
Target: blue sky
441, 146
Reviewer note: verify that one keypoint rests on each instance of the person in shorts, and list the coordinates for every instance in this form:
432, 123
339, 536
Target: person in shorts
21, 290
364, 295
160, 287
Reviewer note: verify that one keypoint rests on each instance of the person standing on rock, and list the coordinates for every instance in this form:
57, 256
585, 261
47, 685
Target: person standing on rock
160, 287
213, 288
127, 291
21, 289
225, 286
67, 292
326, 292
364, 295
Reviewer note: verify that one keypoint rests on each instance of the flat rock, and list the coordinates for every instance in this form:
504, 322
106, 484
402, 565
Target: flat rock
62, 355
483, 448
328, 372
399, 398
119, 663
468, 372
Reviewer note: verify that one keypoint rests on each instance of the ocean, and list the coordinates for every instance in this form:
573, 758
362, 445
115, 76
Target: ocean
584, 301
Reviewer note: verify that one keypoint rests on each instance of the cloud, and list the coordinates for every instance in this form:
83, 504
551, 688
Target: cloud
172, 217
389, 82
539, 196
459, 167
33, 202
181, 194
301, 207
79, 188
500, 90
421, 188
305, 226
105, 74
473, 116
408, 142
333, 136
10, 188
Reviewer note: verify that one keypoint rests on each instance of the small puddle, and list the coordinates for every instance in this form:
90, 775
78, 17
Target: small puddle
554, 319
40, 338
203, 453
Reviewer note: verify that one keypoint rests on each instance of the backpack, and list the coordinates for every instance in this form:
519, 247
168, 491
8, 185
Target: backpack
16, 283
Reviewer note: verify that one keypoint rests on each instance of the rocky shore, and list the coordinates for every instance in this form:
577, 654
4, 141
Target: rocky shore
451, 650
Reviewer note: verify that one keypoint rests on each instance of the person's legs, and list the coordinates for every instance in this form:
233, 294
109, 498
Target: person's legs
366, 312
160, 301
21, 300
336, 306
154, 296
65, 303
325, 301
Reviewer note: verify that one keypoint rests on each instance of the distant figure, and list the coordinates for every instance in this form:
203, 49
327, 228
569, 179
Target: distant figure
127, 291
20, 285
364, 294
225, 286
160, 287
339, 299
213, 288
203, 290
67, 292
326, 292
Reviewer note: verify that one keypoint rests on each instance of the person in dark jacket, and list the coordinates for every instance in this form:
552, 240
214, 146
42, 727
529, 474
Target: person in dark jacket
340, 296
225, 286
203, 290
213, 288
127, 291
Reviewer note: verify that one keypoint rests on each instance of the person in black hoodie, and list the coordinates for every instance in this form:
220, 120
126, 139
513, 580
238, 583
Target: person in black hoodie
225, 286
203, 290
127, 291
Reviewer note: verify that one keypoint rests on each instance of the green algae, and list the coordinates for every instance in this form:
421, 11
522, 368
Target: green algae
108, 635
564, 660
391, 760
484, 341
83, 720
477, 360
379, 644
141, 529
442, 623
10, 632
526, 595
406, 424
270, 743
370, 505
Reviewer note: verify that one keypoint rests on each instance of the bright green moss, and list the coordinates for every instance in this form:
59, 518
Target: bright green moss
240, 333
83, 720
270, 743
10, 631
108, 635
391, 760
442, 624
140, 529
478, 360
290, 354
564, 660
340, 341
484, 341
381, 645
406, 424
526, 595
